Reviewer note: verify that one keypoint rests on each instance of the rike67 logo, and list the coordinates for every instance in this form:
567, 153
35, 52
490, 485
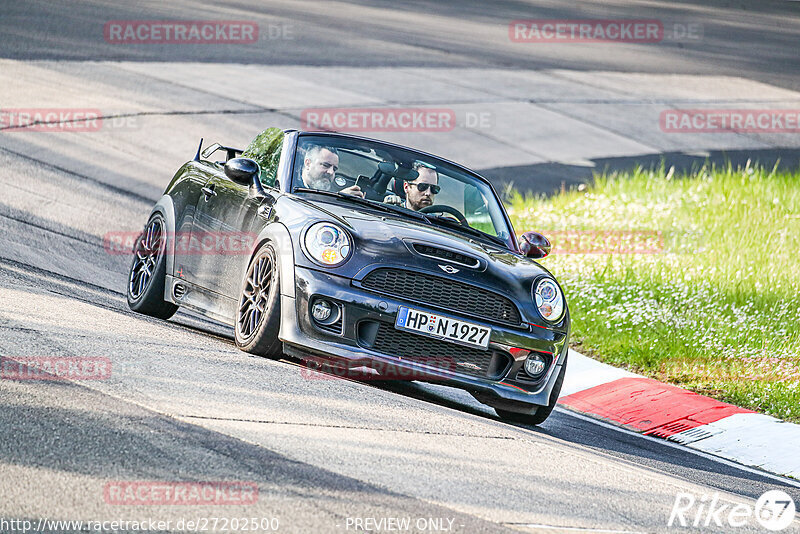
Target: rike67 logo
774, 511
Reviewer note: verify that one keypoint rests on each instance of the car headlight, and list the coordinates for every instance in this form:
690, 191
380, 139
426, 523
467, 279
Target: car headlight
327, 244
548, 300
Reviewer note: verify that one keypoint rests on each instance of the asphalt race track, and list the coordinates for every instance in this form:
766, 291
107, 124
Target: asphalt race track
182, 404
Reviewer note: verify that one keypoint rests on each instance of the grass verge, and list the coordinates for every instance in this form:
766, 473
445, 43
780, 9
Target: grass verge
713, 307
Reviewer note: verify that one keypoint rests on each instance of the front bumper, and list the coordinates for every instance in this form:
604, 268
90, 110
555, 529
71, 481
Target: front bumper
304, 339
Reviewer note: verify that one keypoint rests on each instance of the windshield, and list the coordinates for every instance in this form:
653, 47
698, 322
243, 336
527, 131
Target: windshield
412, 182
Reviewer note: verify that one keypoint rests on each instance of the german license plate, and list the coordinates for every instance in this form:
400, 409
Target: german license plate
441, 327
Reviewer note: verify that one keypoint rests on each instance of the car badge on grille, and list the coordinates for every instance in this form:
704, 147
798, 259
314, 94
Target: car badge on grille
449, 269
469, 366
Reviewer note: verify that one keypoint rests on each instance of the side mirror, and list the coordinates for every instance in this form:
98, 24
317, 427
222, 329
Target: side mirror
241, 170
534, 245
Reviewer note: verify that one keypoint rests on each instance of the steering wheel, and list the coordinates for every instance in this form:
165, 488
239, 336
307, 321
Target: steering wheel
442, 208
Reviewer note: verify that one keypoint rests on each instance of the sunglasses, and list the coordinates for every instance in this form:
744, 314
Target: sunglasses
424, 187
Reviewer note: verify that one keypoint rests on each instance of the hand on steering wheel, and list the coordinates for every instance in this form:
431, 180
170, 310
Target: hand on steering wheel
442, 208
393, 199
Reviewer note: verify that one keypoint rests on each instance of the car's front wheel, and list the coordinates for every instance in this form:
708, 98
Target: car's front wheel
542, 412
258, 316
148, 271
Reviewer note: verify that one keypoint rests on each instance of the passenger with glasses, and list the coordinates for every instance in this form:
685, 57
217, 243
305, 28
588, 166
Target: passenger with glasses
421, 191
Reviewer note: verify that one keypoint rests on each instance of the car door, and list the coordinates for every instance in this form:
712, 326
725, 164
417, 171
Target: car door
227, 218
215, 233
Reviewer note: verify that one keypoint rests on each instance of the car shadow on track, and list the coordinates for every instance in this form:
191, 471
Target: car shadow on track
570, 428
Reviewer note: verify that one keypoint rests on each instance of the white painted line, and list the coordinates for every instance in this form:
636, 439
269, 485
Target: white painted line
755, 439
554, 528
584, 373
697, 452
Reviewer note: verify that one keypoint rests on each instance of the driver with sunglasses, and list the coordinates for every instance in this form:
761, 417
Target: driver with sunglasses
421, 191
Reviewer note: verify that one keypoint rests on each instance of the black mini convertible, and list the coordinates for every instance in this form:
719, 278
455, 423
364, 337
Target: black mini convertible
336, 248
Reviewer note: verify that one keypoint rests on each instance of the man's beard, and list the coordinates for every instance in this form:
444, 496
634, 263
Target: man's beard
320, 182
421, 203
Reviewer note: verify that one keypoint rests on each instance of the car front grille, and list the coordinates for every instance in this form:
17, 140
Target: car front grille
333, 328
440, 354
444, 293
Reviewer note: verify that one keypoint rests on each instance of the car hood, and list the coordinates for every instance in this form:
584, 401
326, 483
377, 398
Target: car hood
386, 240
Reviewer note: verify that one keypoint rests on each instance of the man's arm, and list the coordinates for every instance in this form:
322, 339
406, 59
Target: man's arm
353, 190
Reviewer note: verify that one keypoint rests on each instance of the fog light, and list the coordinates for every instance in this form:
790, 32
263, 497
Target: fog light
322, 310
535, 364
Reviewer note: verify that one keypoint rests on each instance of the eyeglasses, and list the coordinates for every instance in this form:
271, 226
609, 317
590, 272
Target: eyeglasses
424, 187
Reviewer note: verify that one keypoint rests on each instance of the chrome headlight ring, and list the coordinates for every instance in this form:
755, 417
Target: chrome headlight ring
549, 300
327, 244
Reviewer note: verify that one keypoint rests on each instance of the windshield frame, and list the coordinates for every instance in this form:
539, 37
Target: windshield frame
511, 243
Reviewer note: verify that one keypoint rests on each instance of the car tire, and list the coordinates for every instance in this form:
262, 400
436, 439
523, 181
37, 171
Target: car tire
258, 314
542, 412
148, 271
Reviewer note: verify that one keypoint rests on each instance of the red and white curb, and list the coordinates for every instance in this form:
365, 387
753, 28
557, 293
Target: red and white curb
661, 410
